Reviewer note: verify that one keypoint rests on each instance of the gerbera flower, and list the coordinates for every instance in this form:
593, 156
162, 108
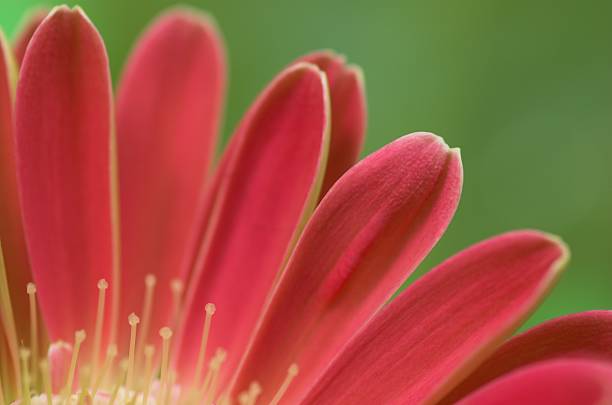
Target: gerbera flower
134, 272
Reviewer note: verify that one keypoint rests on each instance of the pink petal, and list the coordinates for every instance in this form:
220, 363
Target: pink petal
65, 167
349, 115
11, 225
168, 113
270, 187
442, 326
29, 26
559, 382
368, 234
59, 356
585, 335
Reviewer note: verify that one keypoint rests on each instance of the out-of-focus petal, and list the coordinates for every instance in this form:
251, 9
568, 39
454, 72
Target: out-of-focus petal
349, 115
559, 382
11, 225
28, 27
368, 234
59, 356
583, 335
65, 164
442, 326
168, 112
270, 186
9, 346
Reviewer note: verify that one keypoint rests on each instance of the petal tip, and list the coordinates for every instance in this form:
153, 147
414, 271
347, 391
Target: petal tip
192, 14
561, 263
431, 138
357, 72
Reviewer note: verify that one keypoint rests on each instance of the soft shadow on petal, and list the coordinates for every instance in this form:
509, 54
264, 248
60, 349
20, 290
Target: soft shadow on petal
446, 323
348, 112
583, 335
558, 382
269, 188
11, 225
368, 234
64, 163
168, 112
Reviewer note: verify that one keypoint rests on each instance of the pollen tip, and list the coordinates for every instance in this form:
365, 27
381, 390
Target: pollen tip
293, 369
165, 333
176, 285
102, 284
79, 336
150, 280
133, 319
112, 350
210, 308
255, 387
31, 288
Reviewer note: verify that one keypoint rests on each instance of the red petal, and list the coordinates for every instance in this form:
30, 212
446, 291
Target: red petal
29, 26
11, 225
586, 335
560, 382
272, 184
368, 234
444, 324
64, 155
168, 114
349, 115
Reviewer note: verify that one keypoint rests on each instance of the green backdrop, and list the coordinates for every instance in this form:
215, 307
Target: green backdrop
523, 87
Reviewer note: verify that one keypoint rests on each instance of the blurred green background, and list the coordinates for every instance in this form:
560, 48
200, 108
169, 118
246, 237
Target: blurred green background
523, 87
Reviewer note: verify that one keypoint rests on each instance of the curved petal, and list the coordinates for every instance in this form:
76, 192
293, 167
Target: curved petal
445, 323
560, 382
11, 225
65, 163
368, 234
168, 112
28, 27
584, 335
271, 186
348, 112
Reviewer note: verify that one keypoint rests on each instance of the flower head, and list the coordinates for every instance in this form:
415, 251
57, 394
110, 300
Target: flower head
137, 269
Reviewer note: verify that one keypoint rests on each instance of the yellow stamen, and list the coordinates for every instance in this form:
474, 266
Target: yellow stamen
31, 290
176, 286
7, 320
168, 391
166, 334
102, 287
85, 377
147, 310
254, 392
133, 320
216, 364
79, 337
2, 402
244, 398
149, 351
210, 311
46, 377
291, 373
111, 353
24, 354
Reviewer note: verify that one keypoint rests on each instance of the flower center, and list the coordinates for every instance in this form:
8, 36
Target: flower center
138, 378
